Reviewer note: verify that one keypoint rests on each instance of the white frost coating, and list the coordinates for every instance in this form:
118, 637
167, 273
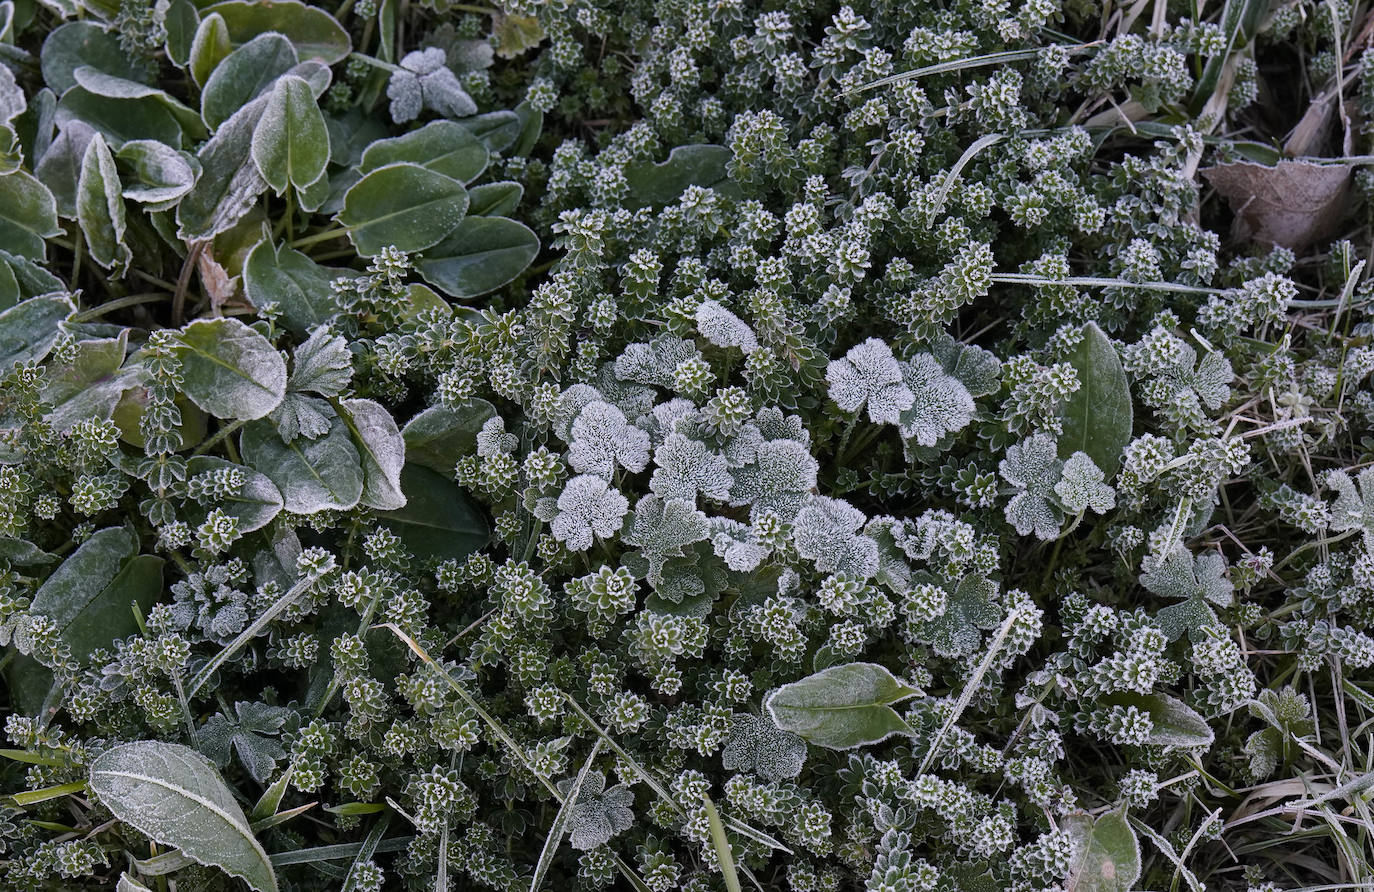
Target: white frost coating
723, 328
869, 375
383, 452
230, 370
174, 795
940, 403
313, 475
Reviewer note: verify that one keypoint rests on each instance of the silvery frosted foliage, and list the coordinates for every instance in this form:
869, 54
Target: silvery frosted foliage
940, 404
588, 507
424, 81
758, 746
599, 813
1082, 485
869, 375
1353, 509
723, 328
601, 439
687, 467
779, 478
825, 530
1033, 467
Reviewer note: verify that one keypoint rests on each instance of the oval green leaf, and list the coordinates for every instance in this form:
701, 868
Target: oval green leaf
654, 185
439, 436
75, 44
481, 255
1098, 416
100, 208
230, 370
405, 206
28, 214
494, 199
382, 449
1106, 853
842, 707
229, 183
256, 503
1175, 723
209, 47
291, 143
444, 147
160, 173
245, 74
314, 32
299, 285
29, 329
173, 794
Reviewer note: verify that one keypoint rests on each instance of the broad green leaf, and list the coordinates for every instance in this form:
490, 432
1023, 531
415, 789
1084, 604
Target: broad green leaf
481, 255
31, 278
445, 147
181, 23
497, 130
128, 413
174, 795
382, 450
292, 280
209, 47
75, 44
91, 384
160, 173
438, 520
405, 206
315, 33
28, 214
12, 102
494, 199
1175, 722
842, 707
9, 286
230, 370
1106, 853
100, 208
312, 475
29, 329
60, 167
22, 553
515, 34
229, 183
256, 503
109, 86
439, 436
245, 74
653, 185
89, 596
38, 124
1097, 417
121, 120
291, 142
531, 125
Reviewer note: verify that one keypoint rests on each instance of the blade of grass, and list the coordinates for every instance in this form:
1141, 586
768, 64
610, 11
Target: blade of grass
998, 58
560, 821
721, 842
369, 847
248, 634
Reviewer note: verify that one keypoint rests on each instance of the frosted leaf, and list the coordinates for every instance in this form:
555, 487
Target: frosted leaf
635, 400
1082, 486
321, 365
1180, 575
826, 531
588, 507
686, 467
570, 404
735, 542
869, 375
599, 814
775, 425
1353, 510
655, 362
1033, 467
978, 369
667, 418
742, 448
723, 328
779, 479
252, 733
940, 405
425, 81
757, 745
303, 416
603, 438
492, 439
662, 528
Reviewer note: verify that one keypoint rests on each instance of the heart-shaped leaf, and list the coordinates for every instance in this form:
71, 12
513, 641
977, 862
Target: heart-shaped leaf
291, 142
174, 795
1098, 416
842, 707
1106, 853
230, 370
404, 206
481, 255
313, 475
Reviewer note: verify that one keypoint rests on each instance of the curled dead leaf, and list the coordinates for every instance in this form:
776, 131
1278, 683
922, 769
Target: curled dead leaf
220, 287
1292, 204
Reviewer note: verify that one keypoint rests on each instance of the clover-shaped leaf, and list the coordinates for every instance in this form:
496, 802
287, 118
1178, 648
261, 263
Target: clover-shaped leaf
588, 507
941, 404
1198, 583
599, 814
687, 467
1082, 486
252, 733
869, 375
1033, 467
757, 745
424, 80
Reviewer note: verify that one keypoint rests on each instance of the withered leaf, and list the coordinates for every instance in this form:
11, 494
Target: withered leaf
1291, 204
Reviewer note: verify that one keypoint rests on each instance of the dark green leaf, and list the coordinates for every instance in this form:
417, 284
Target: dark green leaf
256, 503
312, 475
28, 214
382, 450
1175, 722
100, 208
1106, 854
229, 184
181, 22
439, 436
654, 185
174, 795
444, 147
60, 167
291, 279
497, 130
75, 44
244, 75
494, 199
210, 47
291, 142
29, 329
90, 385
438, 520
481, 255
1098, 416
405, 206
121, 120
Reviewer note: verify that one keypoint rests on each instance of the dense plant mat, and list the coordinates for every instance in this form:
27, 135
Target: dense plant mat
668, 444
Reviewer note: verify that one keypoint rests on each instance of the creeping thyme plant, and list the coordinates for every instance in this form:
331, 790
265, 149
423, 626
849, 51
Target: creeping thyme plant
685, 445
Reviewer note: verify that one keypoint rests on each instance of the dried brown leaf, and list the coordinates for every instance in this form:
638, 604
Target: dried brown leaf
219, 285
1291, 204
